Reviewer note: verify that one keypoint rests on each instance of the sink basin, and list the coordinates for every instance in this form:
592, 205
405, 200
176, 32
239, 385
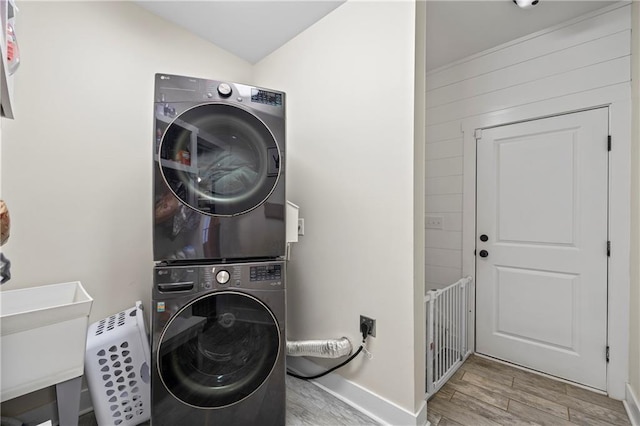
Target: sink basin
43, 336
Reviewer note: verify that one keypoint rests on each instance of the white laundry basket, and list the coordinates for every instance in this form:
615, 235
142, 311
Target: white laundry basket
117, 364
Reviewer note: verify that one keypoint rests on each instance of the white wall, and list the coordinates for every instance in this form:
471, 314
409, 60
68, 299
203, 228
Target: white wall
419, 123
350, 102
585, 56
634, 335
77, 159
77, 169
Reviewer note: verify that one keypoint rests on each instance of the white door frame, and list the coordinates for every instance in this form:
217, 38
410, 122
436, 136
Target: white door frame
618, 99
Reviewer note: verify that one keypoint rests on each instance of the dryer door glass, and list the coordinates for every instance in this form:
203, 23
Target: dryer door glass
219, 159
218, 349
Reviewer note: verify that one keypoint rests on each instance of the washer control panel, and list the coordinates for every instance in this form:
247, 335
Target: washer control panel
188, 279
266, 273
222, 277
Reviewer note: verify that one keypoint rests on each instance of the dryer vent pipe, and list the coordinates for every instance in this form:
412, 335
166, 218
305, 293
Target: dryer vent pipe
331, 348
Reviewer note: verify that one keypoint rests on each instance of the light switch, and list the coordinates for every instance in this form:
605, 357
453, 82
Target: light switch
435, 222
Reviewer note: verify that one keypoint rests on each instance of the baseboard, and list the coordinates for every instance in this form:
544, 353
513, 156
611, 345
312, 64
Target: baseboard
50, 411
374, 406
632, 405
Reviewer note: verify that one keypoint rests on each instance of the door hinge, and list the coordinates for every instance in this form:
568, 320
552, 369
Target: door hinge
609, 143
608, 248
607, 354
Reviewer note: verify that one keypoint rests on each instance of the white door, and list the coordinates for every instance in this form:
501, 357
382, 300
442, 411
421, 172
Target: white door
541, 274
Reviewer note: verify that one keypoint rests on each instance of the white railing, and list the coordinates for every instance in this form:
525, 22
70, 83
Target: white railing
447, 311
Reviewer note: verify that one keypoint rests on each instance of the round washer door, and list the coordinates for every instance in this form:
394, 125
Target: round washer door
219, 159
218, 349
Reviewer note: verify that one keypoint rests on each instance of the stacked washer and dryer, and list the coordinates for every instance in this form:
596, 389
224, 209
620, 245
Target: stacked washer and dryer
218, 314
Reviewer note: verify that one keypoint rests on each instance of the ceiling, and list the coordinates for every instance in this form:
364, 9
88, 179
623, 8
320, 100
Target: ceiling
252, 29
457, 29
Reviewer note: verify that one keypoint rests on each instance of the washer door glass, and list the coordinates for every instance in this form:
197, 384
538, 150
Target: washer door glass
218, 349
219, 159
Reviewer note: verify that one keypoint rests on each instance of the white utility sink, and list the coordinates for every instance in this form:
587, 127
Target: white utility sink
44, 333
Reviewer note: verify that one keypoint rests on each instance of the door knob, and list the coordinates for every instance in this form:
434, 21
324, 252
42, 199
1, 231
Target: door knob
484, 253
484, 238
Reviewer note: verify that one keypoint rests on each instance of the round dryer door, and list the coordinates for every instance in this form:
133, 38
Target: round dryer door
218, 349
219, 159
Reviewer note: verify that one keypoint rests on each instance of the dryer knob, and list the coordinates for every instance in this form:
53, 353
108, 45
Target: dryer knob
222, 277
224, 90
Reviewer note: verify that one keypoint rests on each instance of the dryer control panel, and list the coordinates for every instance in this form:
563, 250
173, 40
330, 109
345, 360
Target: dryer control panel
266, 97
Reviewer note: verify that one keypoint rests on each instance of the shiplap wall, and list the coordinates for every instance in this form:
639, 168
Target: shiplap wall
585, 54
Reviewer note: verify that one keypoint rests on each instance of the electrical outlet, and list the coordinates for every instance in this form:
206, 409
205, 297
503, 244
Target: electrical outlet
300, 226
435, 222
371, 323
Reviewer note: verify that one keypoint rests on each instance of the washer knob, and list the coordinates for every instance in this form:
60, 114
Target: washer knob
222, 277
224, 90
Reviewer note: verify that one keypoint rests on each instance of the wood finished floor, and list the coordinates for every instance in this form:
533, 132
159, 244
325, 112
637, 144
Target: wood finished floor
485, 392
482, 392
307, 405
